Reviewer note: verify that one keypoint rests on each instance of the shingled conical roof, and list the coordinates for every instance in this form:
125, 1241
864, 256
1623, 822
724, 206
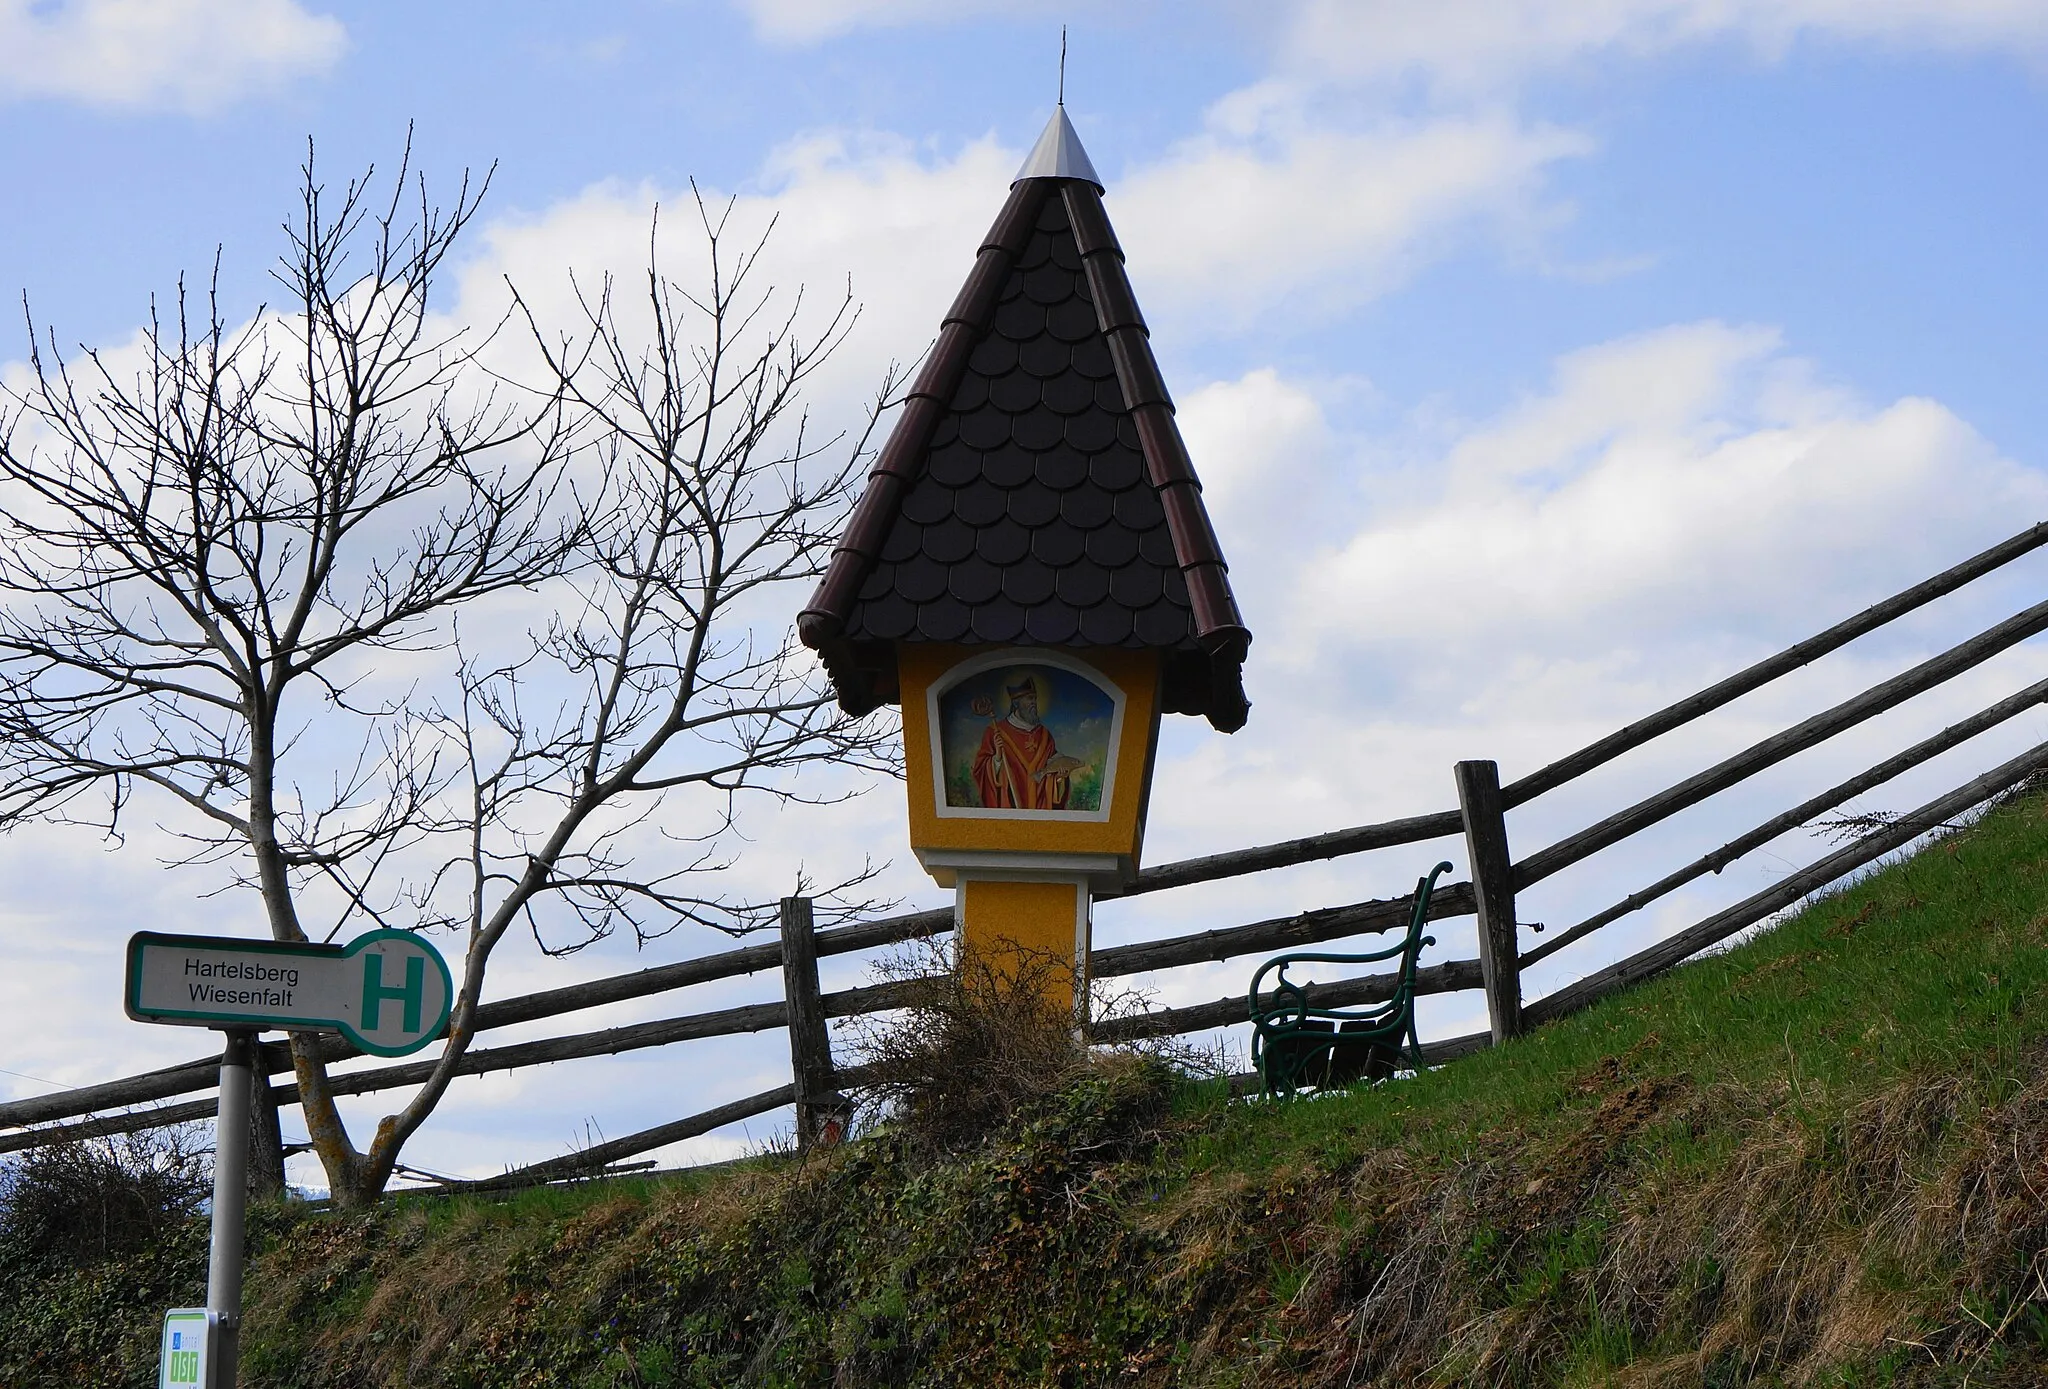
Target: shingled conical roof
1035, 491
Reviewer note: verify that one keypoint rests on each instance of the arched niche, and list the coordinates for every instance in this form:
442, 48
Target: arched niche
1025, 734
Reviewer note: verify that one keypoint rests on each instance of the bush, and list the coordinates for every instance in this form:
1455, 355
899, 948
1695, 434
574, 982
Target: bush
92, 1199
988, 1039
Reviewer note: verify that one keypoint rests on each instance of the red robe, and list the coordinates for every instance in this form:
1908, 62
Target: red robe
1009, 769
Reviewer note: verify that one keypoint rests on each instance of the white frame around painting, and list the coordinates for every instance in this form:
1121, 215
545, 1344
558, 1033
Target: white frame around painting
1019, 656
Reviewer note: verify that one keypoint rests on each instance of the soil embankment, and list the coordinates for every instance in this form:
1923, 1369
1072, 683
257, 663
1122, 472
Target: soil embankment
1821, 1158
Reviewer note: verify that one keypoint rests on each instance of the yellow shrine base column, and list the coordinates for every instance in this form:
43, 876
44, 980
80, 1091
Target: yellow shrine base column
1028, 771
1028, 930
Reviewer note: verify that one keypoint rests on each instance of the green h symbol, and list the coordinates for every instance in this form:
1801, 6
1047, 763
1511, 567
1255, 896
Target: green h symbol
413, 993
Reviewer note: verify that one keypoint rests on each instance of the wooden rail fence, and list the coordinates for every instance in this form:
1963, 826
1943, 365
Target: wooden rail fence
818, 1089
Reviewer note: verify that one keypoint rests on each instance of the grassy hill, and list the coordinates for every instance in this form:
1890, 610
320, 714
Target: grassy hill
1821, 1158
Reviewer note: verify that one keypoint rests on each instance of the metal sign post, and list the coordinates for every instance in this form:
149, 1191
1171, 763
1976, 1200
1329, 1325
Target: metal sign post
388, 992
230, 1206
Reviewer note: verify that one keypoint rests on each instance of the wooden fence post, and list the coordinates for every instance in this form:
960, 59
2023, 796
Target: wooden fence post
821, 1112
1493, 884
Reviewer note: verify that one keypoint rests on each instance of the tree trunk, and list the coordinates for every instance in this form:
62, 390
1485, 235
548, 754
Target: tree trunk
324, 1129
266, 1135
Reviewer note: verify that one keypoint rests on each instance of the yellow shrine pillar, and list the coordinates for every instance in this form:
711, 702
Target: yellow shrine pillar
1028, 772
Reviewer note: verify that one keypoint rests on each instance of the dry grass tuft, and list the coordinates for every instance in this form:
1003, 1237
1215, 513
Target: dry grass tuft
1801, 1248
989, 1038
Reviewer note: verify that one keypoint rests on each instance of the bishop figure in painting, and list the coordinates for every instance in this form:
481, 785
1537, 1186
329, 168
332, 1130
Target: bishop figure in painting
1017, 766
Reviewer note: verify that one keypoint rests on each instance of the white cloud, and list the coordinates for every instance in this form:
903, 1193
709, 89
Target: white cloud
1468, 46
1303, 192
1677, 480
1302, 195
1268, 211
1465, 47
1227, 227
1675, 501
190, 55
1261, 439
807, 21
902, 226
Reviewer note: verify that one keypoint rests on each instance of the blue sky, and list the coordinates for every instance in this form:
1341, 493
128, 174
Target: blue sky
1875, 203
1544, 362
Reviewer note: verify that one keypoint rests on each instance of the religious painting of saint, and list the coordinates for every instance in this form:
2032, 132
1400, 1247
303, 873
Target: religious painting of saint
1025, 738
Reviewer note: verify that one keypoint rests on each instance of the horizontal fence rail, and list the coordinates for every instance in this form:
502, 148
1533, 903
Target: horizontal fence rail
1778, 747
1803, 813
1307, 928
1722, 924
1304, 929
1755, 677
112, 1107
1416, 829
1329, 923
1452, 976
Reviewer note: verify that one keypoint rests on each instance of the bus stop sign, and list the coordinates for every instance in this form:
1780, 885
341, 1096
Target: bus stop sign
388, 992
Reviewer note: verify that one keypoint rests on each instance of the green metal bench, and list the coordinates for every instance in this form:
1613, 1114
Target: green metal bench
1297, 1045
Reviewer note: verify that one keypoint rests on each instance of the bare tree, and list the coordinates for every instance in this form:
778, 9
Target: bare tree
280, 582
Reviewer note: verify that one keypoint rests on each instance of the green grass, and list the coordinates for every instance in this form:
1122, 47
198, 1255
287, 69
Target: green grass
1819, 1158
1935, 964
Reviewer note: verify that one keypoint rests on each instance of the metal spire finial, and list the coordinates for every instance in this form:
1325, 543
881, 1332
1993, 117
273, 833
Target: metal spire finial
1058, 153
